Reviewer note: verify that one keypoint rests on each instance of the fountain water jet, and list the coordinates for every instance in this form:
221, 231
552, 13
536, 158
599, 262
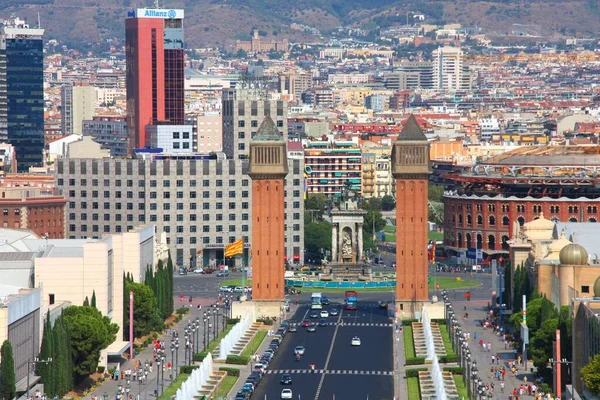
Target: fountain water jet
436, 371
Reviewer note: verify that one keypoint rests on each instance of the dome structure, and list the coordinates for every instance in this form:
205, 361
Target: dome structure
539, 229
597, 287
573, 254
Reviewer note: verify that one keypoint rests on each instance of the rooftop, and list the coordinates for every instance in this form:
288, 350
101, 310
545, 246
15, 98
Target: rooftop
548, 156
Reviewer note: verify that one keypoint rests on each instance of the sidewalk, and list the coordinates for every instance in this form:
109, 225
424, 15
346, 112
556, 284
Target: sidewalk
146, 390
477, 310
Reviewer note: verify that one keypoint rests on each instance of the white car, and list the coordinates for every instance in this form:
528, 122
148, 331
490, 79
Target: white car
324, 314
286, 394
299, 350
198, 271
225, 289
355, 341
238, 289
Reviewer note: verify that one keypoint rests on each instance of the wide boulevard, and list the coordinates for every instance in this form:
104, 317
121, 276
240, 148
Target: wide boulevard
342, 371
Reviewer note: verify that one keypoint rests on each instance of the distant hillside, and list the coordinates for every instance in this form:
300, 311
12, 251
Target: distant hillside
88, 23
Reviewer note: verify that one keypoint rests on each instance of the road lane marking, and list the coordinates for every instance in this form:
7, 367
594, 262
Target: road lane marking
328, 355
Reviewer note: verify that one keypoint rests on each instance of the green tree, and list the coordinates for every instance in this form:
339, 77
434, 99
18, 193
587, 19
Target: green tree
145, 314
62, 361
86, 302
8, 388
435, 193
315, 206
89, 332
373, 204
171, 299
388, 203
540, 346
590, 374
317, 236
373, 219
93, 301
44, 370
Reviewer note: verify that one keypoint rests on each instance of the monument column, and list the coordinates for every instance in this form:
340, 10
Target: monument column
334, 247
411, 169
360, 242
267, 168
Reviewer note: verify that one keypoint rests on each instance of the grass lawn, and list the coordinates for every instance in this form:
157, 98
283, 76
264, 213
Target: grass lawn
225, 386
409, 346
254, 343
389, 228
390, 237
236, 282
446, 339
460, 386
452, 283
414, 393
435, 235
171, 390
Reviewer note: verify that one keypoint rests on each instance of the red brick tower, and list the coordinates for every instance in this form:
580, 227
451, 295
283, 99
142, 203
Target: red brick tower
267, 168
411, 169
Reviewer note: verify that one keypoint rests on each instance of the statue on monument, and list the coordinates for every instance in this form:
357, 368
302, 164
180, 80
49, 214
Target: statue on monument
346, 246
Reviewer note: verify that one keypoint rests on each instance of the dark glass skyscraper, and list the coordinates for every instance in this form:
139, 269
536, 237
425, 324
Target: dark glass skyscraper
155, 71
22, 91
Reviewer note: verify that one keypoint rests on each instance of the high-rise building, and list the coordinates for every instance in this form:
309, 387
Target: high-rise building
155, 71
449, 71
22, 91
110, 132
78, 103
243, 111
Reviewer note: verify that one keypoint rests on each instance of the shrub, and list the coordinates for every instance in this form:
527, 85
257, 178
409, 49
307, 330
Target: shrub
415, 361
414, 372
448, 358
439, 321
454, 370
200, 356
265, 321
187, 369
183, 311
230, 371
239, 360
232, 321
101, 369
408, 322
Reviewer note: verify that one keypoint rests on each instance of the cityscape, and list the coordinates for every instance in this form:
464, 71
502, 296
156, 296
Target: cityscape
385, 202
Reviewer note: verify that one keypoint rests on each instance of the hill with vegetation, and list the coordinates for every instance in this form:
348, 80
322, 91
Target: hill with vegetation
88, 24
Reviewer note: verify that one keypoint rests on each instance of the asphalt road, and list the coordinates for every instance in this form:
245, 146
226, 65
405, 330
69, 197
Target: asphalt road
342, 371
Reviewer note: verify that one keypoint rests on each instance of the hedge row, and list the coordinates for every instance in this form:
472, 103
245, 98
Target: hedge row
414, 373
230, 371
200, 356
415, 361
265, 321
187, 369
232, 321
238, 360
454, 370
182, 311
448, 359
439, 321
408, 322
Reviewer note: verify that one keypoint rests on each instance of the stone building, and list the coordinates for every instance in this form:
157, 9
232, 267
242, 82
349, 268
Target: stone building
256, 44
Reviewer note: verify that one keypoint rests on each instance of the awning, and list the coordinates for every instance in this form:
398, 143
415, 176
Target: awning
117, 348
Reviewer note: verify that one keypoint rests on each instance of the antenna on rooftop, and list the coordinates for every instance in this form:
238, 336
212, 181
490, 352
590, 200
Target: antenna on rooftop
156, 4
39, 21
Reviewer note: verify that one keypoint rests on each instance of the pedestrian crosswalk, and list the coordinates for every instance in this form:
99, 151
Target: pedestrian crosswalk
327, 371
379, 324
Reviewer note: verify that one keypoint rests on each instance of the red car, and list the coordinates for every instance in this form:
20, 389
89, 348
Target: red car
305, 324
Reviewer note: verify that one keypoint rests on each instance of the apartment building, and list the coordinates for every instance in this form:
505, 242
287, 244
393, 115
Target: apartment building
243, 111
449, 71
332, 168
200, 202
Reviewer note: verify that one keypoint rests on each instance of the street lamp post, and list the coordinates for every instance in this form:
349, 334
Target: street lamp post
198, 334
176, 357
157, 376
162, 380
474, 376
205, 326
172, 365
214, 324
34, 362
210, 328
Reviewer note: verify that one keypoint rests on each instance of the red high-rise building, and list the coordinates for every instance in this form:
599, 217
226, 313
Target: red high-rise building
155, 71
411, 168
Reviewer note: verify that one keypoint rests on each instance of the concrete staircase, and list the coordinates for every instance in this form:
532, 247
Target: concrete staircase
210, 389
242, 343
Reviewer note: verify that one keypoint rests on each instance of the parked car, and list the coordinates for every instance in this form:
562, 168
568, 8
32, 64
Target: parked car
208, 271
225, 289
198, 271
221, 274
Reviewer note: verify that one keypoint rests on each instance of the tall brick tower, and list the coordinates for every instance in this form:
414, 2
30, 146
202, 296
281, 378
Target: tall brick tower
267, 168
411, 169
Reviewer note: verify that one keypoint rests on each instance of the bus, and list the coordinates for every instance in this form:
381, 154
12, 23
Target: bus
315, 301
351, 300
